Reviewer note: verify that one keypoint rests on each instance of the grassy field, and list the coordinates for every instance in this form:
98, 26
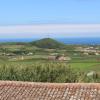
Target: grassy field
82, 63
24, 62
47, 71
77, 64
86, 66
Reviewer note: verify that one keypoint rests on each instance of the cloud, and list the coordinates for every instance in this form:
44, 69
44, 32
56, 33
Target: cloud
52, 29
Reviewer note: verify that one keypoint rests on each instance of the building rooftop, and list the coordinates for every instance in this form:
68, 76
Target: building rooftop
14, 90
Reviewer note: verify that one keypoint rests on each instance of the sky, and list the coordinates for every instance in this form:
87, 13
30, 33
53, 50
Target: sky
55, 18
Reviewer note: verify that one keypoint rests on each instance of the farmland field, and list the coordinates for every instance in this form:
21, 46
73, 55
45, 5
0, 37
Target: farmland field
58, 63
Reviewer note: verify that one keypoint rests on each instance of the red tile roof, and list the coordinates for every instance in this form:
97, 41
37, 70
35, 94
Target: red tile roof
10, 90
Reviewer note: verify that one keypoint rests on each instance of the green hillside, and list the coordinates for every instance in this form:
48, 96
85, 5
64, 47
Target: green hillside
48, 43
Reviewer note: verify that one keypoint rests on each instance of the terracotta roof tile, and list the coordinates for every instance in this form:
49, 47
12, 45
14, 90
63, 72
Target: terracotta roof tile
12, 90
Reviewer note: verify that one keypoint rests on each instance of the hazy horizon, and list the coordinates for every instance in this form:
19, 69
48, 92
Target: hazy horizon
52, 30
54, 18
71, 40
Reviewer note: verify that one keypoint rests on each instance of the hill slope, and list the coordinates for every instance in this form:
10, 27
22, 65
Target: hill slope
48, 43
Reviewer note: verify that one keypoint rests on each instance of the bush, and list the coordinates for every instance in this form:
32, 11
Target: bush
45, 72
48, 72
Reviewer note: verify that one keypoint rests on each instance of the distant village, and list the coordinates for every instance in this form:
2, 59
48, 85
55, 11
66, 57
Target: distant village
89, 50
54, 56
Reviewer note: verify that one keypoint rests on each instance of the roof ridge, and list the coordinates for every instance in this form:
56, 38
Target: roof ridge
48, 84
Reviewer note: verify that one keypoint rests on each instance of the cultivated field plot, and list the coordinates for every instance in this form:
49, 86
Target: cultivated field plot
47, 60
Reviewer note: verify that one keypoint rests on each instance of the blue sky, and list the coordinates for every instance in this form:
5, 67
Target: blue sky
41, 12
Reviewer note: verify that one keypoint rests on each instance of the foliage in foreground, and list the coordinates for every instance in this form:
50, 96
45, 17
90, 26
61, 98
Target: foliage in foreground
48, 72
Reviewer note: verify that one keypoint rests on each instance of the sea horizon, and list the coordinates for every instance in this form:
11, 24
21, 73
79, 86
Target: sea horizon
69, 40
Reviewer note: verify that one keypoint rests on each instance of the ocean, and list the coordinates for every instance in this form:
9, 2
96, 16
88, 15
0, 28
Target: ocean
85, 41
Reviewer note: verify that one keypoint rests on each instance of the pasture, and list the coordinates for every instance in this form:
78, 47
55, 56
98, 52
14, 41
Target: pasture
26, 62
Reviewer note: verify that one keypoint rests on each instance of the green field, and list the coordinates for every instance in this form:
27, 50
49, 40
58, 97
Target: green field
30, 62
